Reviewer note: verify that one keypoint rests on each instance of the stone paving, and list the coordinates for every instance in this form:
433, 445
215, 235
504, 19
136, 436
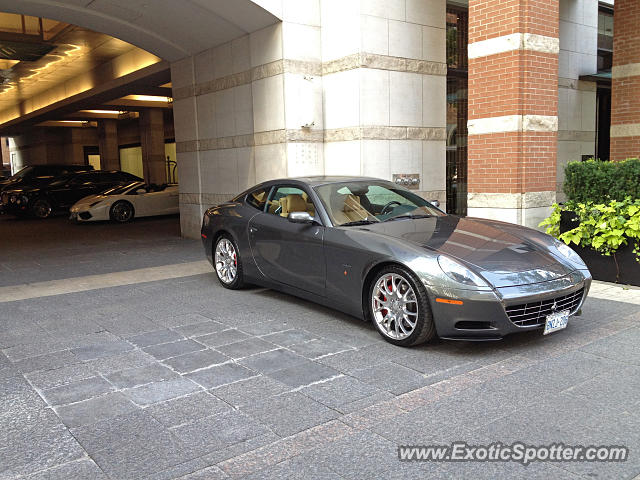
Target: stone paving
179, 378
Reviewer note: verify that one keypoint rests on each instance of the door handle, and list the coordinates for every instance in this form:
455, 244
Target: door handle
253, 229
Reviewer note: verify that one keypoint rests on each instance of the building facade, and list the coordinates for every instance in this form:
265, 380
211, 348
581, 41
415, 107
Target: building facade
485, 101
476, 103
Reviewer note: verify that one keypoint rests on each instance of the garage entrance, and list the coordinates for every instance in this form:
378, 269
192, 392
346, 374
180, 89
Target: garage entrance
89, 84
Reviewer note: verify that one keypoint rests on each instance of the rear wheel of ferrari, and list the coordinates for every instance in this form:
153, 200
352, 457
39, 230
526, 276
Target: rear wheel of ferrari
399, 307
227, 263
121, 212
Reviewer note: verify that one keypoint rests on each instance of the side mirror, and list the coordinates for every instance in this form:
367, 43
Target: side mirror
435, 203
141, 191
300, 217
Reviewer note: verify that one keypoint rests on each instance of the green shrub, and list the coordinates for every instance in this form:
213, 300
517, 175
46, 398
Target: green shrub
600, 182
603, 227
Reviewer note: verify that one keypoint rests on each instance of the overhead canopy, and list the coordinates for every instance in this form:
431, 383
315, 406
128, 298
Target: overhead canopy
169, 29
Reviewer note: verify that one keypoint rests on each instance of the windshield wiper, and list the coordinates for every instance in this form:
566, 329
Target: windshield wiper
400, 217
358, 222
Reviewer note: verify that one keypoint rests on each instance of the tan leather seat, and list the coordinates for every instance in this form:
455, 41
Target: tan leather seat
353, 209
292, 203
273, 206
347, 208
310, 208
259, 197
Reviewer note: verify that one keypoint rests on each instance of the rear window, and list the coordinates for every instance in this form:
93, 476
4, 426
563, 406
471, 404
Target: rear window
258, 198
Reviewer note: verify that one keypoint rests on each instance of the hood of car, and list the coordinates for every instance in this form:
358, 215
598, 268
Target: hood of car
504, 256
90, 199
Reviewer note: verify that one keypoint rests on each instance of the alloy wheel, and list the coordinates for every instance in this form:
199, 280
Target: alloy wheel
41, 209
121, 212
226, 261
395, 306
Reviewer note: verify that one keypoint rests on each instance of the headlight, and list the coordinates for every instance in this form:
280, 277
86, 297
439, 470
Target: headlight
567, 252
458, 272
94, 203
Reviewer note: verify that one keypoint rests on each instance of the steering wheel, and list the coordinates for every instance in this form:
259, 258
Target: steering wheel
387, 208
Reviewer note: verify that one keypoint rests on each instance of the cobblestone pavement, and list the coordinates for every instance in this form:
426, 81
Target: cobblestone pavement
178, 378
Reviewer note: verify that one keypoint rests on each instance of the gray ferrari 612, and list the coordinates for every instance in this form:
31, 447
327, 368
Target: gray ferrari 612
377, 251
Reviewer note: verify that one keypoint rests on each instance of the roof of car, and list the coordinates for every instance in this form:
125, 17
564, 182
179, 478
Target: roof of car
314, 181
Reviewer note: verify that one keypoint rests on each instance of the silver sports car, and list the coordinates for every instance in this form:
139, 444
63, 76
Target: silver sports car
377, 251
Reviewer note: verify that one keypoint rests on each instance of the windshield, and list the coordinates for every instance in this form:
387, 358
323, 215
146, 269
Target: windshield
121, 189
354, 203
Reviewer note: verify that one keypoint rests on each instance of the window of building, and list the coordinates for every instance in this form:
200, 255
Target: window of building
457, 79
605, 39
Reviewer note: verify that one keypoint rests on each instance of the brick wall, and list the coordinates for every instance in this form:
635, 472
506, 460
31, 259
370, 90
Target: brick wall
494, 18
517, 82
512, 162
625, 88
513, 83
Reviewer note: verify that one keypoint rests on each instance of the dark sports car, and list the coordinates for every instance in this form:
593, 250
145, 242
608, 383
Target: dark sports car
39, 175
375, 250
59, 195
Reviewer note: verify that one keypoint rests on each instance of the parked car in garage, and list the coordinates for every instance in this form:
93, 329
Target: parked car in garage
62, 193
124, 202
38, 175
378, 251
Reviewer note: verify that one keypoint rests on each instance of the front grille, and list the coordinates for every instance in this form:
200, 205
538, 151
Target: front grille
535, 313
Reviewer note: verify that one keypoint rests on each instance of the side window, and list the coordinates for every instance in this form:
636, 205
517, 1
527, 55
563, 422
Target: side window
47, 172
106, 177
285, 200
258, 198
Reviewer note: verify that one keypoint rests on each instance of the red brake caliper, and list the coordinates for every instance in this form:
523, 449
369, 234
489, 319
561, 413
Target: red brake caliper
384, 311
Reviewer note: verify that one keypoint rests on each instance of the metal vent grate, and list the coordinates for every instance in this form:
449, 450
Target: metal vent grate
535, 313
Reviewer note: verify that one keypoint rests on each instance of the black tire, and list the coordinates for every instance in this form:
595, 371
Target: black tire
122, 212
238, 280
41, 208
424, 329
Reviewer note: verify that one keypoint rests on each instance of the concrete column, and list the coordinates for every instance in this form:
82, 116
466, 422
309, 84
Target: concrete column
353, 87
248, 111
625, 86
513, 109
108, 144
152, 140
4, 148
384, 81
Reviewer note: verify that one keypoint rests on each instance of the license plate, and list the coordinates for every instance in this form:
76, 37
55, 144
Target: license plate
556, 321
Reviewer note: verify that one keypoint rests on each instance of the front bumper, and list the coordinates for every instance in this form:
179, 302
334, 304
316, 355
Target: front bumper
85, 213
484, 314
14, 208
81, 216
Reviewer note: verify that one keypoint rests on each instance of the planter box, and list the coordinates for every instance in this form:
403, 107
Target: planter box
621, 267
568, 220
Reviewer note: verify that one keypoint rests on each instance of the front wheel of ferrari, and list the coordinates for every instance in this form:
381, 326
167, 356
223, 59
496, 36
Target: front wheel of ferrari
226, 261
399, 307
